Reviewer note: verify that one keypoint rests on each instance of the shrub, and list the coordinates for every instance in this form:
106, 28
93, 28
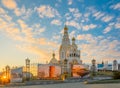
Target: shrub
116, 75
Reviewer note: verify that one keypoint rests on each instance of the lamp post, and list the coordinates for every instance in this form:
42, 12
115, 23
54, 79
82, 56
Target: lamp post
7, 72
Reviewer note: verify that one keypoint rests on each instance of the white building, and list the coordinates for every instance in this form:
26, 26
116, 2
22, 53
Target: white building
115, 65
93, 66
53, 61
69, 50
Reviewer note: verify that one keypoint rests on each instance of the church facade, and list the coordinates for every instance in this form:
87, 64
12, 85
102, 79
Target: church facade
69, 54
68, 51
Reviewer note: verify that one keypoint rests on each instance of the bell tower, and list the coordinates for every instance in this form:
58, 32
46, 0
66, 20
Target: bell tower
65, 45
65, 39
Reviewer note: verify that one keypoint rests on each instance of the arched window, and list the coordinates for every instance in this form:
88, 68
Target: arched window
74, 54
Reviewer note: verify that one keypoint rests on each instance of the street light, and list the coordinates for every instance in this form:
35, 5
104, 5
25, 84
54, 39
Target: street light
7, 72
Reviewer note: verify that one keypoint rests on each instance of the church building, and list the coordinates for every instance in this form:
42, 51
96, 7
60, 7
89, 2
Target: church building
69, 51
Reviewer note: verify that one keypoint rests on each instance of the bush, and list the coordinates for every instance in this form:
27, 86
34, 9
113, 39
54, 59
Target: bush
116, 75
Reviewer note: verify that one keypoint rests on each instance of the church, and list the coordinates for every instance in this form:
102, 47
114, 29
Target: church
68, 53
68, 65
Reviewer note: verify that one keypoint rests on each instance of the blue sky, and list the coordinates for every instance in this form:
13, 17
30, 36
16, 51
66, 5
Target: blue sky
34, 29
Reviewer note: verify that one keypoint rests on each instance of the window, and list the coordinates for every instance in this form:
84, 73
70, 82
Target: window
74, 54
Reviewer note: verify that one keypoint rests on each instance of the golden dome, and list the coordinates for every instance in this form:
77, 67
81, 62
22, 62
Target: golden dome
65, 28
53, 54
53, 60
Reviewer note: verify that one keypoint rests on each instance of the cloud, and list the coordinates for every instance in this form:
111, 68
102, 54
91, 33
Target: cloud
67, 16
46, 46
4, 15
29, 34
115, 6
10, 4
23, 34
43, 53
56, 37
98, 47
73, 23
26, 37
88, 27
26, 31
25, 13
56, 22
72, 34
33, 49
107, 18
111, 26
22, 24
41, 30
86, 37
38, 29
2, 11
59, 1
30, 31
98, 15
107, 29
117, 25
91, 46
47, 11
73, 17
62, 31
87, 14
9, 29
75, 12
70, 2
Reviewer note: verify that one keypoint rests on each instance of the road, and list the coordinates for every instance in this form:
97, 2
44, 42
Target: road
71, 85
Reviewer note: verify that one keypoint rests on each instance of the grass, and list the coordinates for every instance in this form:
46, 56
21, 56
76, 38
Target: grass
105, 73
105, 81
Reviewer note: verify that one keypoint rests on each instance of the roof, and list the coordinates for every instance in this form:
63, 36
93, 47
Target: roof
53, 61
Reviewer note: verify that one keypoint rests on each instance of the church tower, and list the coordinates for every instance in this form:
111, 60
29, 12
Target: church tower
65, 46
68, 53
65, 39
115, 65
53, 61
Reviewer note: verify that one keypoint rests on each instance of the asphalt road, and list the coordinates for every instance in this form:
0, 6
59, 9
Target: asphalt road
71, 85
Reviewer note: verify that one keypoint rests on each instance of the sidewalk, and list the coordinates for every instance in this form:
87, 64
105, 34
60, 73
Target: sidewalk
1, 85
42, 82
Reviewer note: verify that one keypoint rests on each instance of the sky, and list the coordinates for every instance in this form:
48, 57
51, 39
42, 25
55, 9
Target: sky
34, 28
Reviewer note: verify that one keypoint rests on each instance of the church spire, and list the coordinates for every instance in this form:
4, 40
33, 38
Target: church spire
73, 40
65, 28
53, 55
65, 40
